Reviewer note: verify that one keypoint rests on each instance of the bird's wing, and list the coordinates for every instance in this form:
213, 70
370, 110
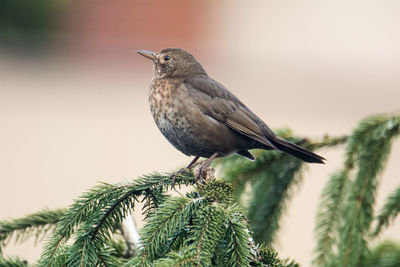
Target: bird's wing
216, 101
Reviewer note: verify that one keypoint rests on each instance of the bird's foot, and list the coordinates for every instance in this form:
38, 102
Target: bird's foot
203, 172
176, 174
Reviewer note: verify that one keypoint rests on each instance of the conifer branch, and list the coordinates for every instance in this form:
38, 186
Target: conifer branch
374, 137
170, 218
208, 228
331, 205
238, 244
384, 254
329, 210
184, 257
37, 224
388, 213
94, 209
270, 193
193, 230
327, 142
239, 171
262, 175
13, 262
139, 260
90, 203
367, 151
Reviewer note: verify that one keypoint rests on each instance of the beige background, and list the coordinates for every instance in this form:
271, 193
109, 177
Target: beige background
78, 114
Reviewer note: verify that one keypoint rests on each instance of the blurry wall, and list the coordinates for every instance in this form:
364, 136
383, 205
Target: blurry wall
73, 93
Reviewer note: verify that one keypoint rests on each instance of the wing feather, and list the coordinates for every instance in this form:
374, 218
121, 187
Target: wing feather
217, 102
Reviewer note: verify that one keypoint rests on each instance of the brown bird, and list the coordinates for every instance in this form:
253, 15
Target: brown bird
200, 117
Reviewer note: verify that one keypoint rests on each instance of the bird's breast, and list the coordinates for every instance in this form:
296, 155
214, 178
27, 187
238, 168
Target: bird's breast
167, 104
165, 100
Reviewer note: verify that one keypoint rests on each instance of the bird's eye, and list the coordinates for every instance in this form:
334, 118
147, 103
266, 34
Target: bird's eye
166, 58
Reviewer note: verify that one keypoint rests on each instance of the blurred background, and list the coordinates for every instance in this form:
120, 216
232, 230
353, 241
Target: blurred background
73, 92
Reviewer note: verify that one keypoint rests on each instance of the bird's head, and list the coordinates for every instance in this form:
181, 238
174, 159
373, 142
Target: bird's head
173, 63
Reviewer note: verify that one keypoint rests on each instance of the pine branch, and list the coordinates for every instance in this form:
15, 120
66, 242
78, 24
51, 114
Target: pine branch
119, 247
12, 262
385, 254
270, 193
331, 204
82, 253
238, 248
329, 210
184, 257
206, 232
98, 212
107, 259
327, 142
374, 137
97, 230
239, 171
388, 213
193, 230
266, 257
90, 203
139, 260
170, 218
203, 228
37, 224
369, 144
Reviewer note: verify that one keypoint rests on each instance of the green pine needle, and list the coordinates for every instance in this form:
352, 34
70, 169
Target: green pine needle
208, 228
171, 217
36, 224
374, 137
238, 239
270, 194
98, 212
388, 213
12, 262
185, 257
329, 210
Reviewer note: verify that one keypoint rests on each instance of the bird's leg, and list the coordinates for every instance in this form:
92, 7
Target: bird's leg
203, 167
192, 162
182, 170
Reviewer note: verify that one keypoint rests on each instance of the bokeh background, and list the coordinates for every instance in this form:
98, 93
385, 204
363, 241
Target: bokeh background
73, 93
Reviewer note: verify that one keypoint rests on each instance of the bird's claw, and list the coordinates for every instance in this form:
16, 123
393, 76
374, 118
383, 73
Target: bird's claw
175, 174
203, 173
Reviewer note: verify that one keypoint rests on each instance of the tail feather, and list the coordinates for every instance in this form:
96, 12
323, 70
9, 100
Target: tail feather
296, 150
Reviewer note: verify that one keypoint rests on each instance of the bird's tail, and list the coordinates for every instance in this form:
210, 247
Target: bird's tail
296, 150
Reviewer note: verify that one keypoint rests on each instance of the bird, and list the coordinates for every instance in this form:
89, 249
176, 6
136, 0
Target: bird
202, 118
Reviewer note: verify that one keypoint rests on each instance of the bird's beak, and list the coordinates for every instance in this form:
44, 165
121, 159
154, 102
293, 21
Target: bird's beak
148, 54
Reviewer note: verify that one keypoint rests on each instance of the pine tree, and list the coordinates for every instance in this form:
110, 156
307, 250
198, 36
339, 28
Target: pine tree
208, 226
201, 228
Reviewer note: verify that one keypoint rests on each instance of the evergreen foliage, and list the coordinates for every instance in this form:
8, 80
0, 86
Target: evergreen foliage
329, 209
386, 254
37, 224
207, 226
271, 178
96, 215
12, 262
388, 212
203, 228
345, 215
